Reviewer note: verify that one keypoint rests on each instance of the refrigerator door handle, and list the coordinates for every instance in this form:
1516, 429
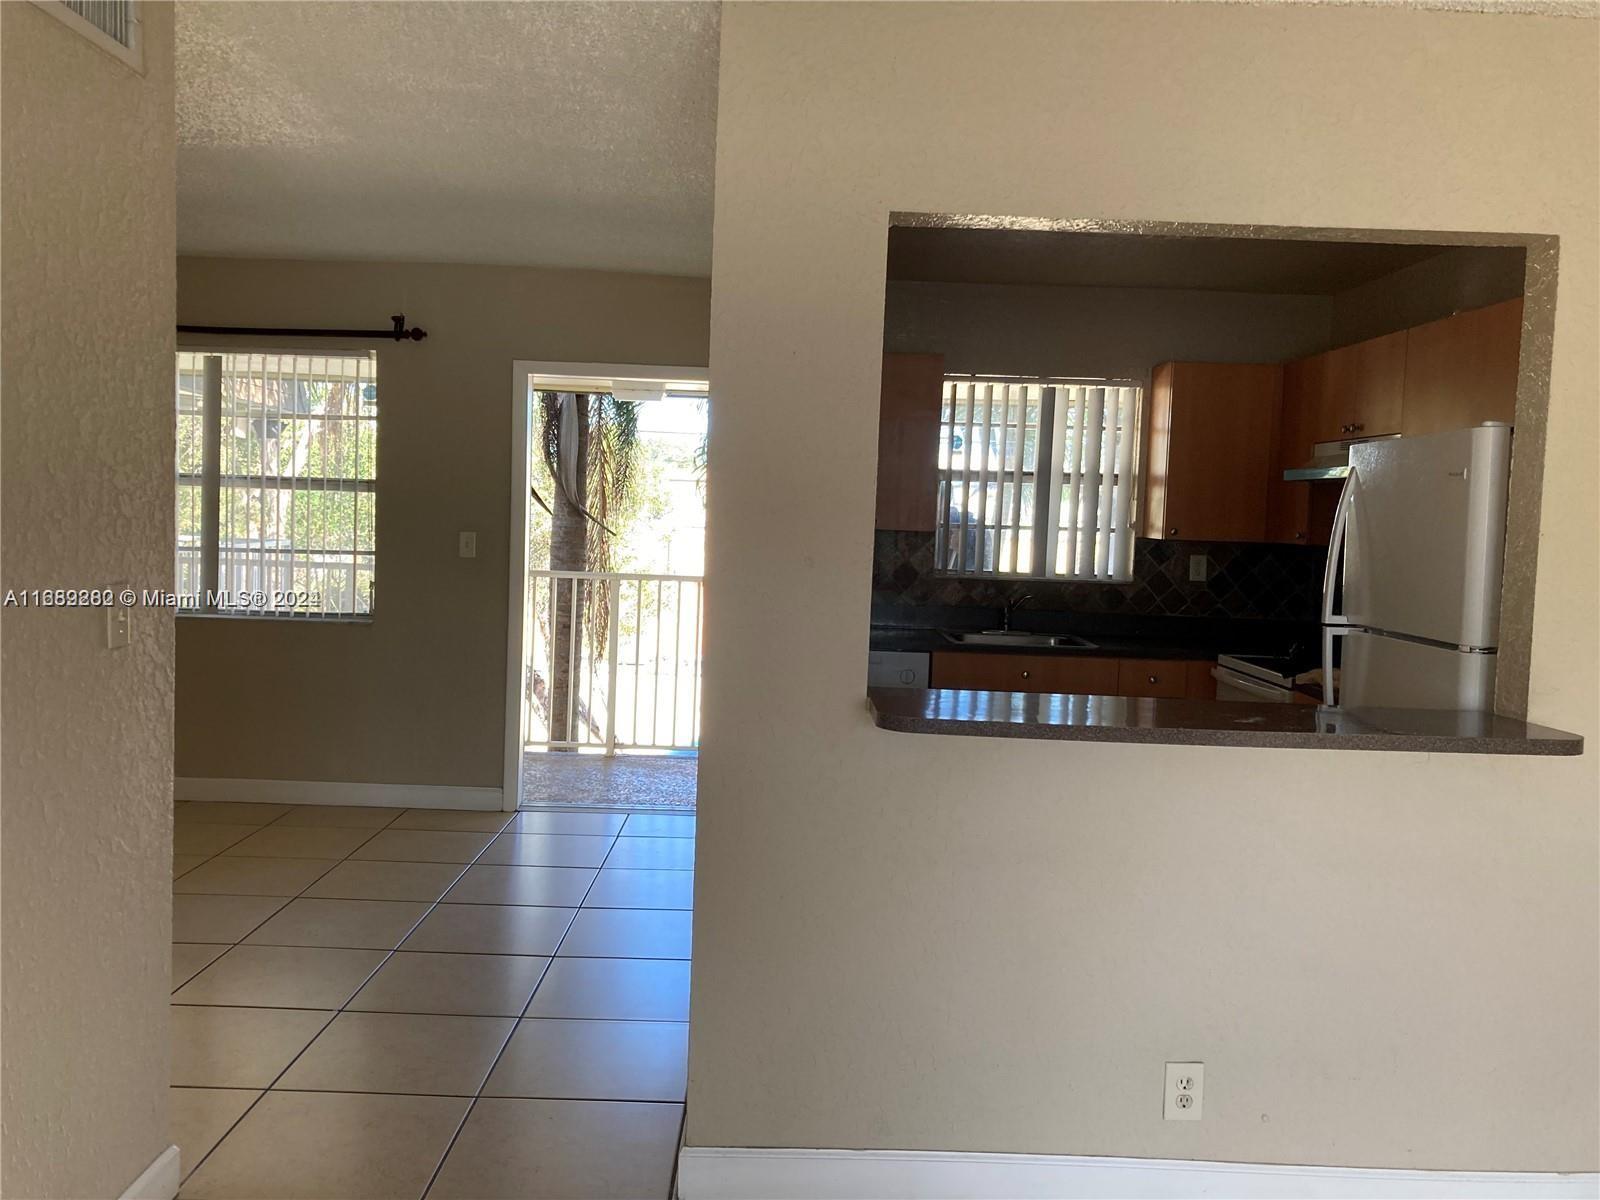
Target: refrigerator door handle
1332, 572
1328, 634
1330, 581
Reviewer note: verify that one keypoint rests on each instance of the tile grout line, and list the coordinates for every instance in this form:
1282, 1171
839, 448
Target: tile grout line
287, 900
388, 956
467, 1116
309, 1091
391, 1012
205, 858
342, 1007
251, 1106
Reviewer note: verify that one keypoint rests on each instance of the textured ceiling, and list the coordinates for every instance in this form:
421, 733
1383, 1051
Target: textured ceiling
1138, 260
552, 134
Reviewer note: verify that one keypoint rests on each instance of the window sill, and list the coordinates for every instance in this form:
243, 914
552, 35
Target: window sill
1007, 577
282, 618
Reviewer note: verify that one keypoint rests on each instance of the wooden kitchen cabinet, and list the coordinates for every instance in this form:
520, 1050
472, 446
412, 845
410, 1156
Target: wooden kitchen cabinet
1209, 450
1300, 513
1289, 504
1199, 683
1362, 389
908, 441
1462, 371
1023, 672
1159, 678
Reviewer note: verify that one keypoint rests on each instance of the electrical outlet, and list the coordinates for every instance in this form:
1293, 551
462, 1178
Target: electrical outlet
1185, 1090
467, 544
1199, 568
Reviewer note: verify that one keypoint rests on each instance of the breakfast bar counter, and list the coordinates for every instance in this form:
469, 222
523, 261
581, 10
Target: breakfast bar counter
1084, 718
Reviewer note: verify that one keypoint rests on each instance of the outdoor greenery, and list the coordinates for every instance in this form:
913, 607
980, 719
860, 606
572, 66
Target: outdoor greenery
299, 437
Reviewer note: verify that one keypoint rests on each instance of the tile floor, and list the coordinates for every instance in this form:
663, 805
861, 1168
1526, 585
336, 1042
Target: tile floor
399, 1003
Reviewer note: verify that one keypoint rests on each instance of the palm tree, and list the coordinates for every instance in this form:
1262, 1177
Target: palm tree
590, 444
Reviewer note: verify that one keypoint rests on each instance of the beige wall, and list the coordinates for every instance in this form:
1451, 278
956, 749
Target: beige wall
1119, 333
86, 221
958, 943
417, 696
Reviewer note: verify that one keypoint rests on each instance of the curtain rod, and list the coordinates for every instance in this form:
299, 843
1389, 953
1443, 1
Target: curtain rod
399, 333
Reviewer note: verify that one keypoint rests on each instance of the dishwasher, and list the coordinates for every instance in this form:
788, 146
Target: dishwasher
1263, 679
897, 668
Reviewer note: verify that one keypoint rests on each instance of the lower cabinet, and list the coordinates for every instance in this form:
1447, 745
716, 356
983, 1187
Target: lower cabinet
1152, 677
1024, 672
1160, 678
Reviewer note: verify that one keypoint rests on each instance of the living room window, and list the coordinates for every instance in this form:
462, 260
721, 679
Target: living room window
1037, 478
277, 483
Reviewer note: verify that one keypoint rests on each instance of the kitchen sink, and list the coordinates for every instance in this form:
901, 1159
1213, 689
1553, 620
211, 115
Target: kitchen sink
1017, 637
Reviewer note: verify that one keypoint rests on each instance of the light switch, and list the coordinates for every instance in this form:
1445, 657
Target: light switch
119, 627
1198, 568
467, 544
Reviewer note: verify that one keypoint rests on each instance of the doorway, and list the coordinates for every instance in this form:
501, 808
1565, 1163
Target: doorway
607, 585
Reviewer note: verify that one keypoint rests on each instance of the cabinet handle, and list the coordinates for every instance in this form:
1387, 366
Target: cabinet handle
1300, 535
1153, 679
1173, 531
1027, 674
1357, 428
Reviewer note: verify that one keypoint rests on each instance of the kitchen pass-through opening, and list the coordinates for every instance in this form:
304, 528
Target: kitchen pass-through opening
1210, 463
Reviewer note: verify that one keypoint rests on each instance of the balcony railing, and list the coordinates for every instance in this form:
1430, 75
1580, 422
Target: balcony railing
613, 661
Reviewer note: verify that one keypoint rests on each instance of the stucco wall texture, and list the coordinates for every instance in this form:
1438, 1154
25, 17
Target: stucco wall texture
914, 942
86, 258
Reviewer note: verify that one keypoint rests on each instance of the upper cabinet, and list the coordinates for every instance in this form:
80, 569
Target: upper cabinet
1208, 429
1294, 510
1462, 371
1362, 389
1209, 450
908, 441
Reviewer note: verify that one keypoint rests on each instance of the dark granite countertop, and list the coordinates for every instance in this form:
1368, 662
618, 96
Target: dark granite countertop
926, 641
920, 630
1207, 723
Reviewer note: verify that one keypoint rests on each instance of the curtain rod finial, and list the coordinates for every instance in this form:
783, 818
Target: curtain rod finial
401, 333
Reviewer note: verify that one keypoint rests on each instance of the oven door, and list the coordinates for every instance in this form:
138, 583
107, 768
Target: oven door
1234, 685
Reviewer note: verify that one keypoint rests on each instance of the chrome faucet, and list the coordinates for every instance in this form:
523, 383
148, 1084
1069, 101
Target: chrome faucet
1010, 607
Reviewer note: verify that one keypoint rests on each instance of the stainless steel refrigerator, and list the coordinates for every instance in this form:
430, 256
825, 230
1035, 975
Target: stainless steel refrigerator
1412, 589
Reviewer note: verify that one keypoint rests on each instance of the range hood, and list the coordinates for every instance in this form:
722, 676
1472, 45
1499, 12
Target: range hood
1329, 460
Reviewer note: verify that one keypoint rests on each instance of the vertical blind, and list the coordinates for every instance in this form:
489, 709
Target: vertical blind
290, 466
117, 19
1036, 478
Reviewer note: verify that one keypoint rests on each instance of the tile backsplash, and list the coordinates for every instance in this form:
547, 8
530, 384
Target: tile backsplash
1247, 581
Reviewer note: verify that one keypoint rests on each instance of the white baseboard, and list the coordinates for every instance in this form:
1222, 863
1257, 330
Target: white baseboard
158, 1181
709, 1173
366, 795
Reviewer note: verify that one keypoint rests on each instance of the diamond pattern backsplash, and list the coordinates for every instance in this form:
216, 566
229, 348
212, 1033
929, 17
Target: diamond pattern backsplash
1247, 581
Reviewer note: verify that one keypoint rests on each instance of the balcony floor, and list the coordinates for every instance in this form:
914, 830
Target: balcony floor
625, 781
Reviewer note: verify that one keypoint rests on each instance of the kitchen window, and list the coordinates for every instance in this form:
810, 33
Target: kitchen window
1037, 478
277, 483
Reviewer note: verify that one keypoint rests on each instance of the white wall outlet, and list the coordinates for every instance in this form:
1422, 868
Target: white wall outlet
119, 627
1199, 568
467, 544
1185, 1090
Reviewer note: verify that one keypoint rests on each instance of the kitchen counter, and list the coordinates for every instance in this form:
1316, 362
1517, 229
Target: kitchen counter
1079, 718
925, 641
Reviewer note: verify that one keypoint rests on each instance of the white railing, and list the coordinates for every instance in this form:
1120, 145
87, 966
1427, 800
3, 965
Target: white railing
613, 661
